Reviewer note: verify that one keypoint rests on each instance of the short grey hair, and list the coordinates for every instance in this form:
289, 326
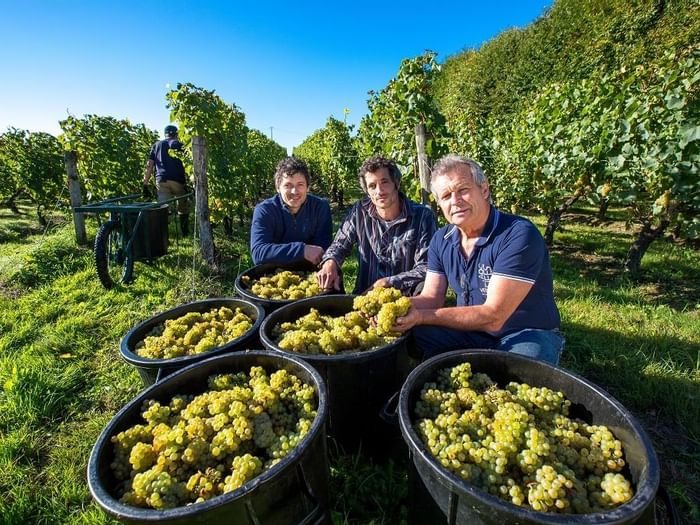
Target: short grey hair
451, 162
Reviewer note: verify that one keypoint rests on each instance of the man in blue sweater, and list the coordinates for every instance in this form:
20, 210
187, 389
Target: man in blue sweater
498, 266
294, 225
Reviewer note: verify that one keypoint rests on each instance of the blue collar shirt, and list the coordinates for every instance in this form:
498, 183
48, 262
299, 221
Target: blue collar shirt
509, 246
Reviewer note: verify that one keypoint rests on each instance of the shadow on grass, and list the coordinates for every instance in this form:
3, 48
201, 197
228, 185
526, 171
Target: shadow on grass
618, 362
18, 228
598, 257
365, 490
189, 282
8, 215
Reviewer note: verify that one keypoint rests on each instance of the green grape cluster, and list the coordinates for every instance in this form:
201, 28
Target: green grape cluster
519, 443
196, 447
314, 333
194, 333
284, 285
385, 304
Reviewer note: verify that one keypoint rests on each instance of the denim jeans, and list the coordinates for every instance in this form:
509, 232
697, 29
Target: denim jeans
545, 345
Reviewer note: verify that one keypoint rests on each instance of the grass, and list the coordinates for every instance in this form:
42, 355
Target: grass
61, 380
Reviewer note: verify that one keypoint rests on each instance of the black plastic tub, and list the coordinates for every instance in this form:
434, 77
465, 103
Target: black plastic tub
153, 370
256, 272
359, 383
294, 491
463, 503
150, 239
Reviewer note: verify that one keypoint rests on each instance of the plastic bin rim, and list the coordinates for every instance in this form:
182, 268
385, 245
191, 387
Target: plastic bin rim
635, 506
133, 358
121, 510
357, 355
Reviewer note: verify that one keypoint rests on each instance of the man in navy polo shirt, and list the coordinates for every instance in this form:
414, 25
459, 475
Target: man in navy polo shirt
498, 266
294, 225
170, 174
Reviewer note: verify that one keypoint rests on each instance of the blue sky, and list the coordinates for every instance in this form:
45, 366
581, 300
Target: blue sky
287, 65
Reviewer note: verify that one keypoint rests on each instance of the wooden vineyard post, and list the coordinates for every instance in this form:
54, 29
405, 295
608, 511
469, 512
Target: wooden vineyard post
199, 159
71, 161
423, 169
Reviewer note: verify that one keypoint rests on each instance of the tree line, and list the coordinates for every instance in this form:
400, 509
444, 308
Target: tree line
111, 154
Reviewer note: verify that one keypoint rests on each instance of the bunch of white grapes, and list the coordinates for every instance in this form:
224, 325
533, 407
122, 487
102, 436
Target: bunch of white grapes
384, 304
196, 447
284, 285
519, 444
323, 334
194, 333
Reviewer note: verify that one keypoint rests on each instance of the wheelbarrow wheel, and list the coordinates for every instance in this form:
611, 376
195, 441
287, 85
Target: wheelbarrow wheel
111, 262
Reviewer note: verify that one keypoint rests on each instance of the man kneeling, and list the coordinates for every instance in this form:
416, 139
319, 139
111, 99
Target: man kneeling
498, 266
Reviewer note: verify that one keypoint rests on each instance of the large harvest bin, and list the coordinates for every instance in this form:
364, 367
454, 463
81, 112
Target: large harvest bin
152, 370
463, 503
359, 383
150, 239
256, 272
294, 491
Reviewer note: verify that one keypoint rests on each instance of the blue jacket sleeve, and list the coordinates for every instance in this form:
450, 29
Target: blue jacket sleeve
262, 234
324, 231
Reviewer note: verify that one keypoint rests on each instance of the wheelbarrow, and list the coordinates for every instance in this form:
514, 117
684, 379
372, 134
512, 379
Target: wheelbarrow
135, 231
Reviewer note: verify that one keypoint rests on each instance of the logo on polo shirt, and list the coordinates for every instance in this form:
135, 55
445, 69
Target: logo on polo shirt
484, 276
